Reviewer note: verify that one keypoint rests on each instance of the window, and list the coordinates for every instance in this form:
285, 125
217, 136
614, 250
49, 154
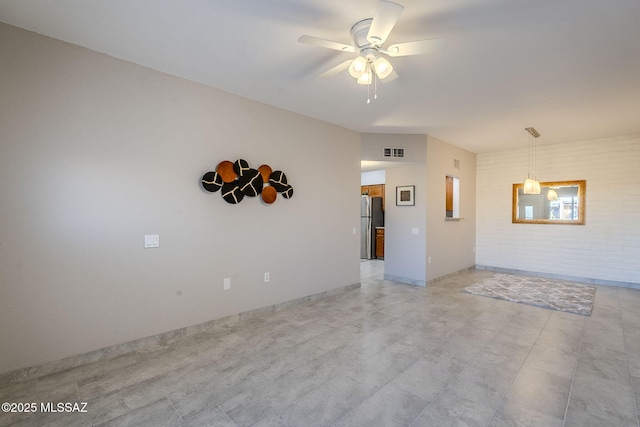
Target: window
452, 201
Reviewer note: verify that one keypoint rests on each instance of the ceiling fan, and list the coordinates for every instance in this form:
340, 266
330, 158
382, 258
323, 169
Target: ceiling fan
368, 37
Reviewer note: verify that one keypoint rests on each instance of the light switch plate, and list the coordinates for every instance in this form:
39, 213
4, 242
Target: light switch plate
414, 230
152, 241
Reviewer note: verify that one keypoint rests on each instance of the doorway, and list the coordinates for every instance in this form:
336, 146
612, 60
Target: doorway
372, 206
372, 210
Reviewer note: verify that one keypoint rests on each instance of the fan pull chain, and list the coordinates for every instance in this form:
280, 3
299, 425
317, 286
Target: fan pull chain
375, 89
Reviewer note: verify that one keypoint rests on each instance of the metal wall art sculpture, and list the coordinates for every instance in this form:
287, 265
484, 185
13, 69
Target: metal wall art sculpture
237, 179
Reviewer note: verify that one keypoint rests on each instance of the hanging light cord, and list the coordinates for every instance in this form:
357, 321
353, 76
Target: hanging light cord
535, 158
529, 158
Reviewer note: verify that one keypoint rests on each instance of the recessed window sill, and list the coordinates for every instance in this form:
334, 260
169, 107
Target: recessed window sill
452, 219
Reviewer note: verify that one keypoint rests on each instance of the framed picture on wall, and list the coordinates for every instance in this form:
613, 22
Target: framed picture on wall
405, 195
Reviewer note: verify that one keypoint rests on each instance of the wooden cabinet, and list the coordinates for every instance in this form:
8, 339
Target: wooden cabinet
448, 210
379, 242
376, 190
373, 191
449, 194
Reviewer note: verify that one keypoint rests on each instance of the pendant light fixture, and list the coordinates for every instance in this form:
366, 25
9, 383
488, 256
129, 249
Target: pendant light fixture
531, 184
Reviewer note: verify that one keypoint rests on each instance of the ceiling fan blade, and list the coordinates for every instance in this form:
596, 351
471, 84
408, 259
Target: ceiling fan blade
337, 69
384, 20
326, 43
418, 47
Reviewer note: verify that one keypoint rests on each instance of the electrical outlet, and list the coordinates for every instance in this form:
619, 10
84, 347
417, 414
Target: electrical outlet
266, 277
226, 284
429, 260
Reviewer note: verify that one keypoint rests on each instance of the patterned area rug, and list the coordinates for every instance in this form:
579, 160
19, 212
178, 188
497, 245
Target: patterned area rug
552, 294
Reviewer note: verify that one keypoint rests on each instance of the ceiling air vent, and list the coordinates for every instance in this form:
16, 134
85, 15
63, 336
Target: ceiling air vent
393, 152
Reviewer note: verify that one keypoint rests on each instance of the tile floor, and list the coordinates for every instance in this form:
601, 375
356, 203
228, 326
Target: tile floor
387, 354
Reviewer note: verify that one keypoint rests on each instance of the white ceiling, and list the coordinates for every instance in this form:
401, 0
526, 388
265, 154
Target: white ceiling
569, 68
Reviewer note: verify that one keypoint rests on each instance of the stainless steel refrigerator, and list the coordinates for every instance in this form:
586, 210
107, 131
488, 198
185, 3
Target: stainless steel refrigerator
371, 216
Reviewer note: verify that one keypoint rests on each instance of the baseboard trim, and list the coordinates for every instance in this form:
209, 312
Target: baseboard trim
446, 276
48, 368
405, 280
423, 283
578, 279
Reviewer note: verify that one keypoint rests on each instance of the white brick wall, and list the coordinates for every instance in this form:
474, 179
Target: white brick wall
607, 248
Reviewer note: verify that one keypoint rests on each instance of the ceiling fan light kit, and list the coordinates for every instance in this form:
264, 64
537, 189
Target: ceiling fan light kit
382, 68
369, 36
366, 78
358, 67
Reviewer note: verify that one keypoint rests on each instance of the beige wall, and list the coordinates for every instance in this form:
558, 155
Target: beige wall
404, 256
450, 244
405, 252
606, 249
96, 152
